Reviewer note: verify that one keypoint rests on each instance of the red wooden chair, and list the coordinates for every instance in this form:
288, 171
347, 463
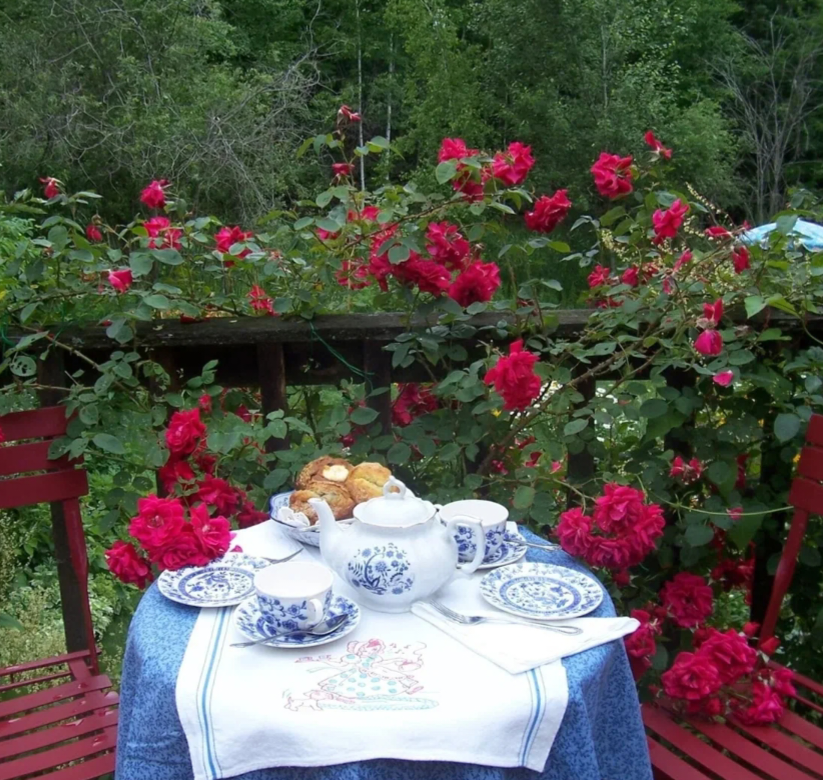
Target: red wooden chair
58, 718
697, 749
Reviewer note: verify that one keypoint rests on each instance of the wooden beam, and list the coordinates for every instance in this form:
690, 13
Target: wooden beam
377, 366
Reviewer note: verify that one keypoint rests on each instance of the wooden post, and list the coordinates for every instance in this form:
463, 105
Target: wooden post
581, 466
271, 370
377, 366
51, 371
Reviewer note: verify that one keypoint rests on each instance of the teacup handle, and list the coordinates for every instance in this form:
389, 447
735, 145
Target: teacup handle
314, 611
477, 531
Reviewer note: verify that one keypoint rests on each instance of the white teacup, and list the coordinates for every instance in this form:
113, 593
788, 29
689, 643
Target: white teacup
491, 516
293, 596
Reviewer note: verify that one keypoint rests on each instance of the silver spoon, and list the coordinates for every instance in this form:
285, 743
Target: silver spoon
472, 620
281, 560
330, 626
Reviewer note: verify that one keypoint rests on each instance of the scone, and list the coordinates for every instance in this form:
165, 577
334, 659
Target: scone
366, 481
326, 468
335, 495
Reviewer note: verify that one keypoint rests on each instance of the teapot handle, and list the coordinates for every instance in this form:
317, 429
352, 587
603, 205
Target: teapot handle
477, 531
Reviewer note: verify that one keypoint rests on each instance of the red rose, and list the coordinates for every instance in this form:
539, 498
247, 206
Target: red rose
647, 529
686, 257
249, 515
656, 146
158, 520
724, 378
204, 403
692, 677
750, 629
52, 187
342, 169
367, 214
642, 642
688, 599
93, 233
219, 494
174, 472
514, 378
454, 149
769, 645
730, 653
128, 565
713, 313
154, 196
639, 666
428, 276
227, 237
767, 707
740, 259
184, 549
630, 276
618, 507
259, 301
411, 402
709, 342
687, 472
715, 231
477, 284
574, 532
513, 165
347, 113
780, 679
120, 280
548, 212
447, 245
599, 276
666, 223
612, 175
184, 432
214, 533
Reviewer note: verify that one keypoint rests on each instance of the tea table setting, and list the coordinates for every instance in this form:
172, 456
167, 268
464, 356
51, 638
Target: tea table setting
406, 641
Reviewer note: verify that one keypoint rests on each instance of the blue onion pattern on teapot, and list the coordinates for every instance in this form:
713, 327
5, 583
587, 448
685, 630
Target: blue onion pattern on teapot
381, 569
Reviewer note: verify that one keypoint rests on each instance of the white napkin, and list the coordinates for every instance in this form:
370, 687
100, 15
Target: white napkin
517, 648
265, 539
425, 697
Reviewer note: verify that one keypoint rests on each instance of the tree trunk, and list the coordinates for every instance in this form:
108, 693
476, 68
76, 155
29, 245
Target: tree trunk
360, 94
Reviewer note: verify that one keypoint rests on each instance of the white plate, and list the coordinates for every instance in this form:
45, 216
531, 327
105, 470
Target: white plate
253, 625
224, 582
509, 552
543, 591
307, 534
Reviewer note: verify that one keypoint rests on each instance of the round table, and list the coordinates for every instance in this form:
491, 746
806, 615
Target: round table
601, 736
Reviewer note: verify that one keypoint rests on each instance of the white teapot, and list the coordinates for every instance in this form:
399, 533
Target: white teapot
397, 550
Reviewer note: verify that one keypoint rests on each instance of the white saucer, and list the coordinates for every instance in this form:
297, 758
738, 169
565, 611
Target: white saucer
509, 552
224, 582
254, 626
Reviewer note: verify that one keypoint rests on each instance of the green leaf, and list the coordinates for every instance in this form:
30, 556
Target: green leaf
157, 302
445, 171
141, 263
698, 535
785, 224
575, 426
7, 621
379, 142
109, 443
449, 451
786, 426
399, 254
719, 472
303, 222
560, 246
654, 407
612, 215
323, 199
399, 453
23, 366
754, 304
328, 225
28, 310
276, 479
168, 256
363, 415
809, 556
523, 497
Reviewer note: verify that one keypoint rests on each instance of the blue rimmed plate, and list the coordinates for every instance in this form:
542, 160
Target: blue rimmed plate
542, 591
224, 582
256, 626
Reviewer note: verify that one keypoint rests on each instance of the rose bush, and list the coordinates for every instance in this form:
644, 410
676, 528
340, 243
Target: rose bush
656, 441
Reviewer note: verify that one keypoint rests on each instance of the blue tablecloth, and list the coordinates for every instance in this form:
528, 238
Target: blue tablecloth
601, 737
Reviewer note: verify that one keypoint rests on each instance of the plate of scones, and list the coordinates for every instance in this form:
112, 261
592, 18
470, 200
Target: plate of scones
340, 483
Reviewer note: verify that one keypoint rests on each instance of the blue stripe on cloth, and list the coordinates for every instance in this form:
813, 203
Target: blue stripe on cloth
205, 698
522, 750
200, 689
534, 717
541, 707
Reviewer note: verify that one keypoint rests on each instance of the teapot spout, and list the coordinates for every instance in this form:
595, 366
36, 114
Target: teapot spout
329, 531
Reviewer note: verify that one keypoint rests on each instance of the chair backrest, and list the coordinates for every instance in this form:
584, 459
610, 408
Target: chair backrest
806, 496
28, 477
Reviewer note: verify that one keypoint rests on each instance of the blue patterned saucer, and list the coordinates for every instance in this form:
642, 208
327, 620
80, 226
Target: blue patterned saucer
224, 582
253, 625
543, 591
510, 551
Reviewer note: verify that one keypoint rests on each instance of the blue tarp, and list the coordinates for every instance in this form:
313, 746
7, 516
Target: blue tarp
811, 235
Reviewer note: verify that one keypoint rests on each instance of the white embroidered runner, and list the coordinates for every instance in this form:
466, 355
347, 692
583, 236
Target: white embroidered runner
396, 687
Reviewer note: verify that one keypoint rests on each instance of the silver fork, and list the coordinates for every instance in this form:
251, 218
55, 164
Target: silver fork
281, 560
472, 620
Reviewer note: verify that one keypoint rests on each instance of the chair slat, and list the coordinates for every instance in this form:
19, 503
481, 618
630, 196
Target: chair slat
814, 430
32, 456
21, 704
811, 463
668, 766
45, 717
37, 740
793, 723
783, 743
43, 488
729, 739
45, 423
705, 755
44, 662
91, 769
49, 759
806, 495
34, 681
806, 682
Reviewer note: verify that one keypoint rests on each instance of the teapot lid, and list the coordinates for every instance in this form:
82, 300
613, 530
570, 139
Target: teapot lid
397, 507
